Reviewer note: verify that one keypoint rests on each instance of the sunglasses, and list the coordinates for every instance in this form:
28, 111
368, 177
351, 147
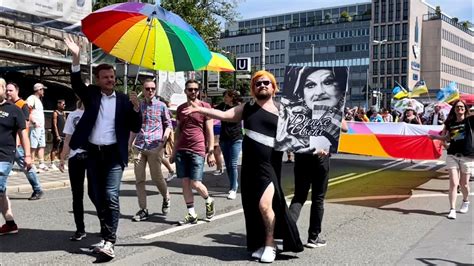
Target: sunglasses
264, 82
460, 107
192, 90
150, 89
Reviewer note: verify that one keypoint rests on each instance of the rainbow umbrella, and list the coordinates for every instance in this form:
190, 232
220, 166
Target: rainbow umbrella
148, 36
219, 63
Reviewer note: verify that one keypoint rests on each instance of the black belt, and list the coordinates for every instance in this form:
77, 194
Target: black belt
102, 148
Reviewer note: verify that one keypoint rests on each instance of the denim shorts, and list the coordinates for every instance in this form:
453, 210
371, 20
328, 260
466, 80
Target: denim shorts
189, 165
5, 168
37, 137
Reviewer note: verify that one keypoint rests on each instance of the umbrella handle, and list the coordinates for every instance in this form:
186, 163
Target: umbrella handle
143, 54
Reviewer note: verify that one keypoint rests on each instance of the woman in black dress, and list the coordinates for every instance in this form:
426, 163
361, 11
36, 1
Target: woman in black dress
265, 209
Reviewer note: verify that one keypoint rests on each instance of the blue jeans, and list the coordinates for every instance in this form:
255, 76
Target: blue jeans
104, 173
231, 150
77, 173
5, 168
30, 174
189, 165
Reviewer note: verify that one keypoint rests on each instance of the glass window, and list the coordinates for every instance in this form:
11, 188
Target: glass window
389, 50
282, 44
375, 68
382, 67
390, 32
247, 48
375, 81
397, 50
277, 44
383, 51
383, 12
376, 33
404, 49
389, 83
404, 66
272, 45
252, 47
390, 10
397, 34
257, 47
389, 67
375, 52
404, 81
398, 9
282, 58
405, 31
383, 35
405, 9
376, 11
396, 67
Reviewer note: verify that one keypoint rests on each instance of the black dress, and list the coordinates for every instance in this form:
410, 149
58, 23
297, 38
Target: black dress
261, 166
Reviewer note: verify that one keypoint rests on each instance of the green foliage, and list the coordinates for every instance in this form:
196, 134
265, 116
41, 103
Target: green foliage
345, 16
204, 16
455, 20
103, 3
466, 24
438, 11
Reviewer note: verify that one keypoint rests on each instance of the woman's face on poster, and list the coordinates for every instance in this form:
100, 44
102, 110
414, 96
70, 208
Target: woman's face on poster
321, 88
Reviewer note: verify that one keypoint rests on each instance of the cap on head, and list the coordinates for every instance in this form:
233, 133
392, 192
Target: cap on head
39, 86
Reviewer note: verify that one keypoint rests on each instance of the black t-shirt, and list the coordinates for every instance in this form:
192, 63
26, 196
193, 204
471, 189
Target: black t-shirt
61, 122
457, 135
11, 120
229, 130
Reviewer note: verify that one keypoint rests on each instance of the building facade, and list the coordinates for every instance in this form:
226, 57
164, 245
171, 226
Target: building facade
336, 36
447, 54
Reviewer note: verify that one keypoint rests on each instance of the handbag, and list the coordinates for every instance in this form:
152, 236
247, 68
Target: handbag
468, 138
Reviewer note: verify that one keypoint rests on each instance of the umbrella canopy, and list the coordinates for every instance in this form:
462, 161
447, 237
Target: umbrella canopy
148, 36
445, 108
403, 104
219, 63
468, 98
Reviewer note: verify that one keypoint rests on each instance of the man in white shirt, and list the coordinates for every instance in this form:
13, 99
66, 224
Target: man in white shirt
37, 130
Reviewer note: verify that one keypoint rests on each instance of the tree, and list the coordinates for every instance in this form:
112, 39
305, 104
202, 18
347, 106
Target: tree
345, 16
438, 11
466, 24
204, 16
455, 20
327, 18
103, 3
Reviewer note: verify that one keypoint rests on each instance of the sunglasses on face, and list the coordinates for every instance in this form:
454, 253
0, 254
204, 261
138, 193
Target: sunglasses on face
192, 90
150, 89
460, 107
264, 82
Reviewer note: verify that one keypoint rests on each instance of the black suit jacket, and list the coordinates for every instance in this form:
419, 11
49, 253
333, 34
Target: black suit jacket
126, 119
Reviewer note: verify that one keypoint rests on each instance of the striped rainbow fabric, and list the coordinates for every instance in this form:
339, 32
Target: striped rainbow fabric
391, 140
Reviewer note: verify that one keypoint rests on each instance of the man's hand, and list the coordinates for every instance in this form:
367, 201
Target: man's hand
72, 45
28, 163
211, 161
134, 100
321, 152
193, 107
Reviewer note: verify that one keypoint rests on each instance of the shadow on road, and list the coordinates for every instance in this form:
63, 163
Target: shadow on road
438, 261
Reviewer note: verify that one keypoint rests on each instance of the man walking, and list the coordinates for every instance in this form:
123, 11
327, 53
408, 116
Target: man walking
193, 132
103, 132
37, 130
57, 125
12, 122
148, 147
12, 95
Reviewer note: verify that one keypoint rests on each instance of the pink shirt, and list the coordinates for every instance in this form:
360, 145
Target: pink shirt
192, 135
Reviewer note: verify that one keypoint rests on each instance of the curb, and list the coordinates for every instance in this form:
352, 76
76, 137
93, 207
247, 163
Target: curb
26, 188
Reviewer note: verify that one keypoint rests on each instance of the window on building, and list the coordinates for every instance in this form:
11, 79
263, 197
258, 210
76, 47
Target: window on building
403, 81
383, 35
383, 51
376, 11
257, 47
405, 9
272, 45
397, 50
397, 35
282, 58
405, 31
247, 48
376, 33
375, 52
252, 47
375, 68
389, 67
389, 51
396, 67
404, 49
390, 32
390, 10
375, 81
389, 83
398, 9
404, 66
277, 44
282, 44
382, 67
383, 12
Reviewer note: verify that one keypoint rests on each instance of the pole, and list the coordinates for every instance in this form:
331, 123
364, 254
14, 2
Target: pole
312, 54
262, 59
367, 91
125, 77
235, 74
90, 63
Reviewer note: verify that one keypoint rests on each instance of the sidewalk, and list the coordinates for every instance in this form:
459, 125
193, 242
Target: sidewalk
53, 179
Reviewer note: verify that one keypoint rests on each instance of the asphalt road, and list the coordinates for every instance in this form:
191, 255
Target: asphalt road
377, 212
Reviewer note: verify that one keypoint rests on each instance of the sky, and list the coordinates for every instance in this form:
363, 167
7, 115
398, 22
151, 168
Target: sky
462, 9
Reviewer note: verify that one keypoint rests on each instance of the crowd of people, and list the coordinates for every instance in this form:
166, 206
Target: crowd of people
108, 126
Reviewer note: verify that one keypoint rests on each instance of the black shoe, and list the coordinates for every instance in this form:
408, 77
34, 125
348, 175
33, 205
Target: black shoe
316, 243
78, 236
141, 215
36, 195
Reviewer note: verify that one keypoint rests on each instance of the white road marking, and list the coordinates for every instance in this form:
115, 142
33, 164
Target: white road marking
183, 227
383, 197
364, 174
338, 180
392, 162
423, 166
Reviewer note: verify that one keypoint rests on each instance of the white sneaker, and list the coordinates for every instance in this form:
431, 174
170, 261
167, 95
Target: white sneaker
171, 176
257, 254
53, 167
452, 214
218, 172
269, 254
43, 167
232, 195
464, 207
95, 248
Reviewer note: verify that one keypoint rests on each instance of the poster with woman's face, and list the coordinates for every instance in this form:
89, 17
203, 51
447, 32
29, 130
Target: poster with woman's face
312, 108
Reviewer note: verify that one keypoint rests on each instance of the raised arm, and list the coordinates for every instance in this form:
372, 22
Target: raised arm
231, 115
76, 81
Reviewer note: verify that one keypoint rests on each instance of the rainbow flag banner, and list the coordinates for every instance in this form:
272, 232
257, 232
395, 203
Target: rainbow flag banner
391, 140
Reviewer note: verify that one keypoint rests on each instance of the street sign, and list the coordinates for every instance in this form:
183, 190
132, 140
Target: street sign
242, 64
244, 76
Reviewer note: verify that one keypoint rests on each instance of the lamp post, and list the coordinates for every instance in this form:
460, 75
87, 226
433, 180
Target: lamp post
312, 54
234, 59
379, 44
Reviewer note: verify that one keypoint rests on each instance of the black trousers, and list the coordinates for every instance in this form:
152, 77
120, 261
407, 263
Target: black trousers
77, 173
310, 171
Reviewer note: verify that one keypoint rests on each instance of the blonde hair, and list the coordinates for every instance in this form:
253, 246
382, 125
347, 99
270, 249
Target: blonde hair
263, 73
3, 83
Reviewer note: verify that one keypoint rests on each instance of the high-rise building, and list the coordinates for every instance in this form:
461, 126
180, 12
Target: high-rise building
335, 36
